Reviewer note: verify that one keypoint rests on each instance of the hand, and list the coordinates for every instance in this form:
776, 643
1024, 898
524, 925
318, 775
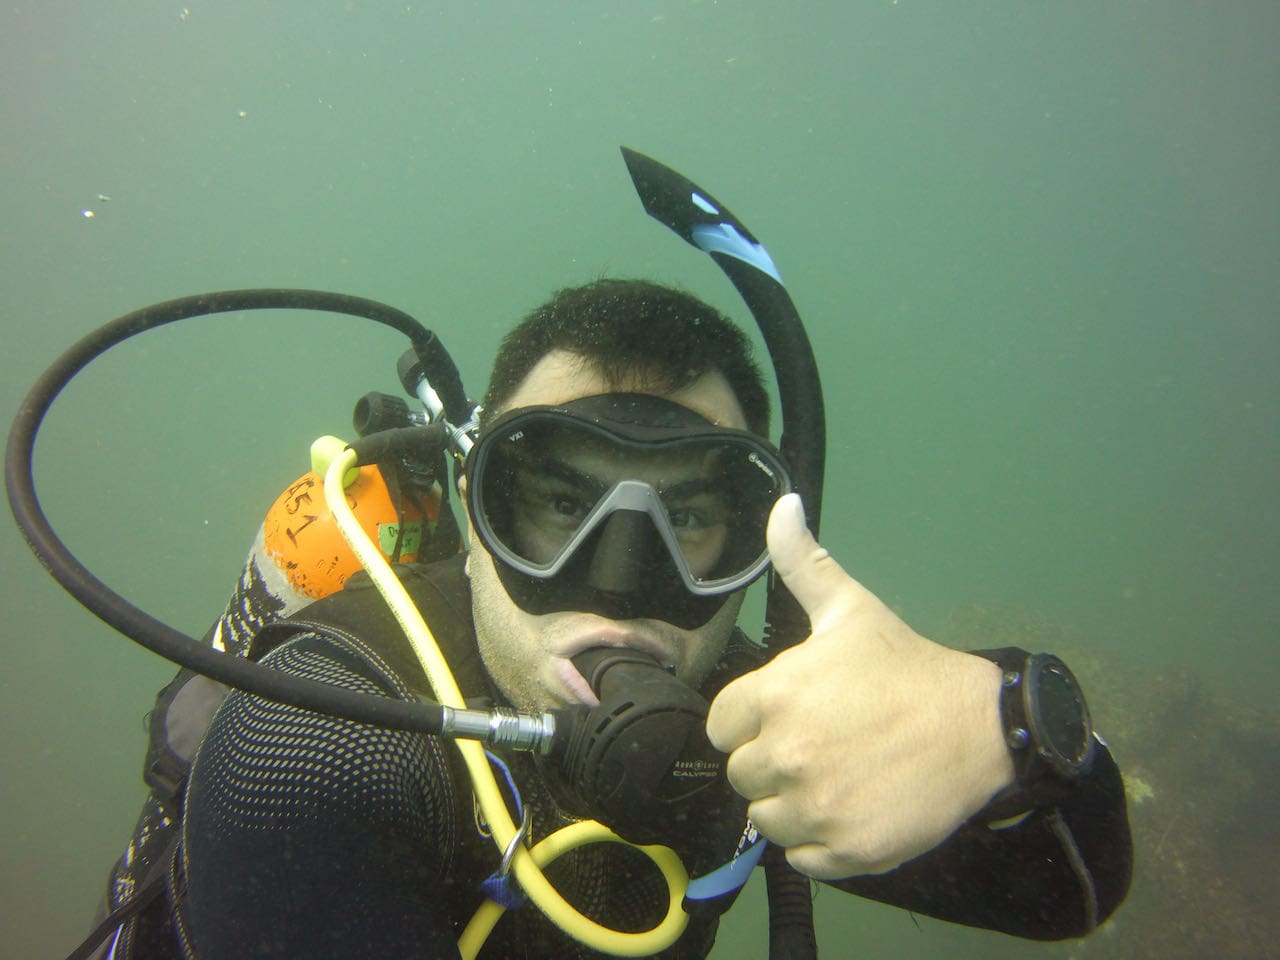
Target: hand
866, 745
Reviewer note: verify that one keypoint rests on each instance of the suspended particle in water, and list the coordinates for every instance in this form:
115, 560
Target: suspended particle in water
87, 214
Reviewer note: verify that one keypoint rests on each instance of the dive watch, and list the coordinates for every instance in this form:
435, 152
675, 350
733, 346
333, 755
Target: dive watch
1047, 728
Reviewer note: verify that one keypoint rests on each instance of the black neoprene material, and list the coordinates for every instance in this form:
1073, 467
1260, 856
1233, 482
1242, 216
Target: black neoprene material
308, 835
293, 816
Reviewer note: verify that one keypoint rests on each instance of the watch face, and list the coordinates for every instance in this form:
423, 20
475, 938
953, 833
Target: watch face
1059, 717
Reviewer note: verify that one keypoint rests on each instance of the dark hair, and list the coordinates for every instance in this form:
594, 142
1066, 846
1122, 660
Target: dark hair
629, 329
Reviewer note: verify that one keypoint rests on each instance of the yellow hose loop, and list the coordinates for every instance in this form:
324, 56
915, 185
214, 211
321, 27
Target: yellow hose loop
569, 838
526, 866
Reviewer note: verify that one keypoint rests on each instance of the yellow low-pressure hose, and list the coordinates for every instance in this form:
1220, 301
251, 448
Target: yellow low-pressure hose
334, 460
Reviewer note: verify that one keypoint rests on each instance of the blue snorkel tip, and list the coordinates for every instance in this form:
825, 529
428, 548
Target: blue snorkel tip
694, 214
726, 239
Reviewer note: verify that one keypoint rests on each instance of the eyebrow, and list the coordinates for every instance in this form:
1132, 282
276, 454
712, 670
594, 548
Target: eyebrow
688, 489
560, 470
681, 490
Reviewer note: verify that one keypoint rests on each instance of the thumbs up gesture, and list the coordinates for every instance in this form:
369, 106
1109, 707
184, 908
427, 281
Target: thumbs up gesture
867, 744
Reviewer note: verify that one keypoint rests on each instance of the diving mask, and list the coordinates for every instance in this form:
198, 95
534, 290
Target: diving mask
625, 505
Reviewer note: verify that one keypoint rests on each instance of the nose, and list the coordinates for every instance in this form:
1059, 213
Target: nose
627, 554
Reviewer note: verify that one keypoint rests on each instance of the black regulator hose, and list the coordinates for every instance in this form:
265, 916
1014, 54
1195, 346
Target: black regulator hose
115, 610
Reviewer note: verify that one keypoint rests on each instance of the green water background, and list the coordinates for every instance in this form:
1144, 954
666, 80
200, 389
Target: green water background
1035, 245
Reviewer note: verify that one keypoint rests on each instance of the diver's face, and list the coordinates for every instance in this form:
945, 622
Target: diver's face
530, 656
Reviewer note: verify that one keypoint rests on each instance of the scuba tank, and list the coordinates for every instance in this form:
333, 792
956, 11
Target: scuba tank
299, 553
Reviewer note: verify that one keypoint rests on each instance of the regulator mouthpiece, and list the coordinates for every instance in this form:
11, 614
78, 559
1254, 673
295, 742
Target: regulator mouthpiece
640, 761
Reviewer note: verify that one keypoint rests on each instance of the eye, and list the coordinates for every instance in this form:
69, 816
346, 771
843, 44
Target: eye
567, 506
686, 519
698, 513
551, 503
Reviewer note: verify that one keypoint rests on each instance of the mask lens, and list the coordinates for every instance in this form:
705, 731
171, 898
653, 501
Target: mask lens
546, 485
532, 497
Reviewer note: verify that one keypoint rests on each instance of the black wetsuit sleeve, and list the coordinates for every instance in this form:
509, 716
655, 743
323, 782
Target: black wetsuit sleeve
312, 836
1021, 879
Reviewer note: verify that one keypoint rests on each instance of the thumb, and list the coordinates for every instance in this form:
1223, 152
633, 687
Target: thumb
810, 573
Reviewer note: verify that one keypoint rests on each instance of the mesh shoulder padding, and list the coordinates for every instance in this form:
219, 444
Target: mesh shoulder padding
277, 764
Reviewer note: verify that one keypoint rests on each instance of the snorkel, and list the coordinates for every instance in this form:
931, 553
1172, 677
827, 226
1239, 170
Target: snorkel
707, 224
693, 214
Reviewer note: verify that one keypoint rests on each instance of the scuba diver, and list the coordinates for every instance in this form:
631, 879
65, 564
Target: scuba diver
620, 494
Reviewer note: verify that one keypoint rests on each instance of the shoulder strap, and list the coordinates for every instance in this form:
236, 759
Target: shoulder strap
176, 724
